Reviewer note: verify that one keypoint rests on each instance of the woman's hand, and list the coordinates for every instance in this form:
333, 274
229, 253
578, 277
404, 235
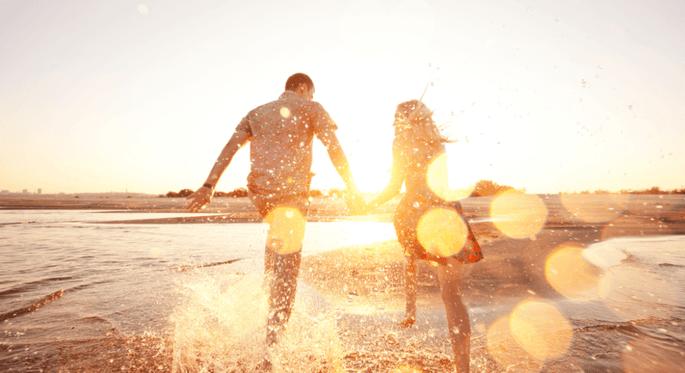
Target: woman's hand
355, 201
199, 199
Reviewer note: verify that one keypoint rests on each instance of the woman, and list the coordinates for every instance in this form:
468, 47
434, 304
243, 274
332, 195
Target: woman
418, 142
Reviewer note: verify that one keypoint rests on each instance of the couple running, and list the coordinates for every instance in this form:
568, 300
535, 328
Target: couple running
281, 134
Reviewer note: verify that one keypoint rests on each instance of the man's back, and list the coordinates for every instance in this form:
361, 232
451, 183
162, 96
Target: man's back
281, 136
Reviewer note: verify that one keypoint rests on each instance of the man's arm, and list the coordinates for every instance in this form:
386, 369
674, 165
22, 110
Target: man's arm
203, 195
338, 158
337, 155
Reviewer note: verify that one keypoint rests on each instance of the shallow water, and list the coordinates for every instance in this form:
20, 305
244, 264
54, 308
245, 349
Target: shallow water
77, 295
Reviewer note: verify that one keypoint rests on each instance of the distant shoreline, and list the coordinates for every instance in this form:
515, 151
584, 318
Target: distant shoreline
667, 208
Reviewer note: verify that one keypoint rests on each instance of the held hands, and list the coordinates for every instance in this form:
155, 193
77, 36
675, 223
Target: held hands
199, 199
355, 201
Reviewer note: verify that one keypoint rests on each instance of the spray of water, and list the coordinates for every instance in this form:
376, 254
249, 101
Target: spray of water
220, 325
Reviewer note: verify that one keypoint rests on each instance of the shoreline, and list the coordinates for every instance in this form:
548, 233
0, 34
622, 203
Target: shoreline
513, 267
362, 285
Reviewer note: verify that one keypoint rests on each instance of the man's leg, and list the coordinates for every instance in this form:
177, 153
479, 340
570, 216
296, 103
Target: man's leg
268, 266
282, 296
282, 258
457, 315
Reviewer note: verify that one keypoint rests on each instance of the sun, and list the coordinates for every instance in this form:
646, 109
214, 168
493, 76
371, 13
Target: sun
369, 178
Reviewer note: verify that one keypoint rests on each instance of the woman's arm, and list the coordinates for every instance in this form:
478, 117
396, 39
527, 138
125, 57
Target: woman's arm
397, 177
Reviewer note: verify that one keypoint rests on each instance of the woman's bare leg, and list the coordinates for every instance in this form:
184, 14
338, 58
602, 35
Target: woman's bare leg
411, 284
457, 314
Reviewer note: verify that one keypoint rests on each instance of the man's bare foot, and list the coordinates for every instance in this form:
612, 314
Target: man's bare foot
265, 366
408, 322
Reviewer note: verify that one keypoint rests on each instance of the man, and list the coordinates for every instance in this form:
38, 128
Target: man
281, 134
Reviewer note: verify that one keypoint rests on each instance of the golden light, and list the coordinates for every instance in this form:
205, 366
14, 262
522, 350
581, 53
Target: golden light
368, 178
574, 277
595, 208
438, 180
642, 355
518, 215
285, 112
442, 232
506, 351
286, 230
541, 330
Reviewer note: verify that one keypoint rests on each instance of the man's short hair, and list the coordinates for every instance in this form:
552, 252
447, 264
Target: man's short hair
296, 79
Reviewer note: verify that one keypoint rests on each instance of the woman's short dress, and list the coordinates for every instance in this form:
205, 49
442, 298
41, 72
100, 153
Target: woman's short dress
414, 154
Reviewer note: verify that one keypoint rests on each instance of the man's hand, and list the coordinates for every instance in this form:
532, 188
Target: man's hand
355, 201
199, 199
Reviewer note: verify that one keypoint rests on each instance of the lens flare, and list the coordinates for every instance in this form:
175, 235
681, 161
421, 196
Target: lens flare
518, 215
143, 9
574, 277
285, 112
442, 232
506, 352
595, 208
540, 329
438, 180
286, 230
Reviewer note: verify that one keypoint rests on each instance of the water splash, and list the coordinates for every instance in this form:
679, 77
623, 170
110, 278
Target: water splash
220, 325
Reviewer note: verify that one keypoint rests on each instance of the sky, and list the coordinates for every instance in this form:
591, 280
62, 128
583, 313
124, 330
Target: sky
550, 96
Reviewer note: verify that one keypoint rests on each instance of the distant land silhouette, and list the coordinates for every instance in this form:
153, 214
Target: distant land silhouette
483, 188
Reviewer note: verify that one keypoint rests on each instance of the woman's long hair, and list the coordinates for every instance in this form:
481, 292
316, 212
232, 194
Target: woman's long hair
415, 115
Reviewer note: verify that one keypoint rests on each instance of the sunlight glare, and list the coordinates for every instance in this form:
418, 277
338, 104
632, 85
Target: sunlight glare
442, 232
285, 112
506, 352
574, 277
286, 230
368, 178
438, 180
540, 329
518, 215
